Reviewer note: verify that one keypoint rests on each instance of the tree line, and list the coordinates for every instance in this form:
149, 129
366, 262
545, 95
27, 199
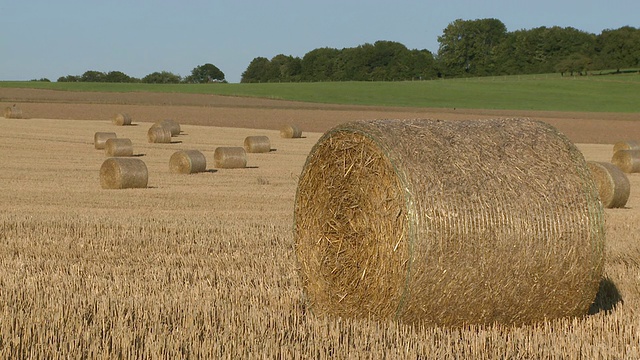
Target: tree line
200, 74
480, 47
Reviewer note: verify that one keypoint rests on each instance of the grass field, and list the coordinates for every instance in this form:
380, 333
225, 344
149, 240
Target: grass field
596, 93
203, 265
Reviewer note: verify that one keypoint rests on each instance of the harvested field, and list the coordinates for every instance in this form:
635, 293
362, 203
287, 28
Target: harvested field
204, 266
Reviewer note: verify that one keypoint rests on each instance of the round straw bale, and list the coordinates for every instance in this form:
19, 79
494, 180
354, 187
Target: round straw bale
118, 147
613, 184
626, 145
123, 173
290, 131
187, 162
159, 134
100, 138
172, 125
257, 144
12, 112
229, 157
448, 223
627, 160
122, 119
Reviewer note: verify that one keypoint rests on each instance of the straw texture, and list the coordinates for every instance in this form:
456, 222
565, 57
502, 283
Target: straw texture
229, 157
159, 134
172, 125
290, 131
122, 119
613, 184
448, 223
626, 145
123, 173
257, 144
187, 162
627, 160
100, 138
118, 147
12, 112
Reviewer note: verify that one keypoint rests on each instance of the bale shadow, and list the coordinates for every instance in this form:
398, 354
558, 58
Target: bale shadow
139, 155
272, 150
211, 171
607, 298
176, 142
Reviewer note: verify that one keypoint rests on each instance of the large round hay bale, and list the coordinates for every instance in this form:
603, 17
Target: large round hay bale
229, 157
613, 184
290, 131
187, 162
122, 119
627, 160
100, 138
12, 112
118, 147
257, 144
159, 134
448, 223
626, 145
172, 125
123, 173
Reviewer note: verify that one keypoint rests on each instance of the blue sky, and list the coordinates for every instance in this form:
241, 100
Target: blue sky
46, 38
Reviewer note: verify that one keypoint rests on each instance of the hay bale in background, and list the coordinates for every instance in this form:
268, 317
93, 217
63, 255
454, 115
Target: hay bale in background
118, 147
12, 112
257, 144
123, 173
172, 125
626, 145
290, 131
159, 134
100, 138
122, 119
187, 162
613, 184
229, 157
448, 223
627, 160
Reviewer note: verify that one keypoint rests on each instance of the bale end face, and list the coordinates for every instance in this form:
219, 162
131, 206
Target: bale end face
627, 160
100, 139
172, 125
122, 119
158, 134
257, 144
187, 162
123, 173
613, 184
12, 112
118, 147
290, 132
626, 145
230, 158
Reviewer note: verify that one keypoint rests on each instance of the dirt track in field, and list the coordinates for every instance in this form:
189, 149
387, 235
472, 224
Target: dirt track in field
229, 111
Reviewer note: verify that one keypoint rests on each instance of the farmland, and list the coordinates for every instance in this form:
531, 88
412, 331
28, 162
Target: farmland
203, 265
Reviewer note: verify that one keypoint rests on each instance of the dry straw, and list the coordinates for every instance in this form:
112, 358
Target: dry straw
159, 134
229, 157
626, 145
100, 138
172, 125
448, 223
118, 147
12, 112
613, 184
257, 144
627, 160
123, 173
122, 119
187, 162
290, 131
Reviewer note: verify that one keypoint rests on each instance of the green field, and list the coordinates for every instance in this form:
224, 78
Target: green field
595, 93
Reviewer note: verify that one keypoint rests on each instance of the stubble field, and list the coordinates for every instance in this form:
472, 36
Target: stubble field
203, 265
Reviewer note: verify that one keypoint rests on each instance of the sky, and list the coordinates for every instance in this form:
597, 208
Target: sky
50, 39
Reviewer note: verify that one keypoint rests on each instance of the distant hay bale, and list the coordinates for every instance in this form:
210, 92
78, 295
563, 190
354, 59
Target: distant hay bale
229, 157
626, 145
159, 134
257, 144
12, 112
172, 125
290, 131
100, 138
118, 147
627, 160
122, 119
187, 162
123, 173
613, 184
448, 223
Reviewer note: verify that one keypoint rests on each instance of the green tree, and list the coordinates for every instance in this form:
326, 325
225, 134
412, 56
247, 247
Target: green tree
163, 77
118, 77
205, 74
256, 71
284, 68
93, 76
618, 49
69, 78
319, 64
